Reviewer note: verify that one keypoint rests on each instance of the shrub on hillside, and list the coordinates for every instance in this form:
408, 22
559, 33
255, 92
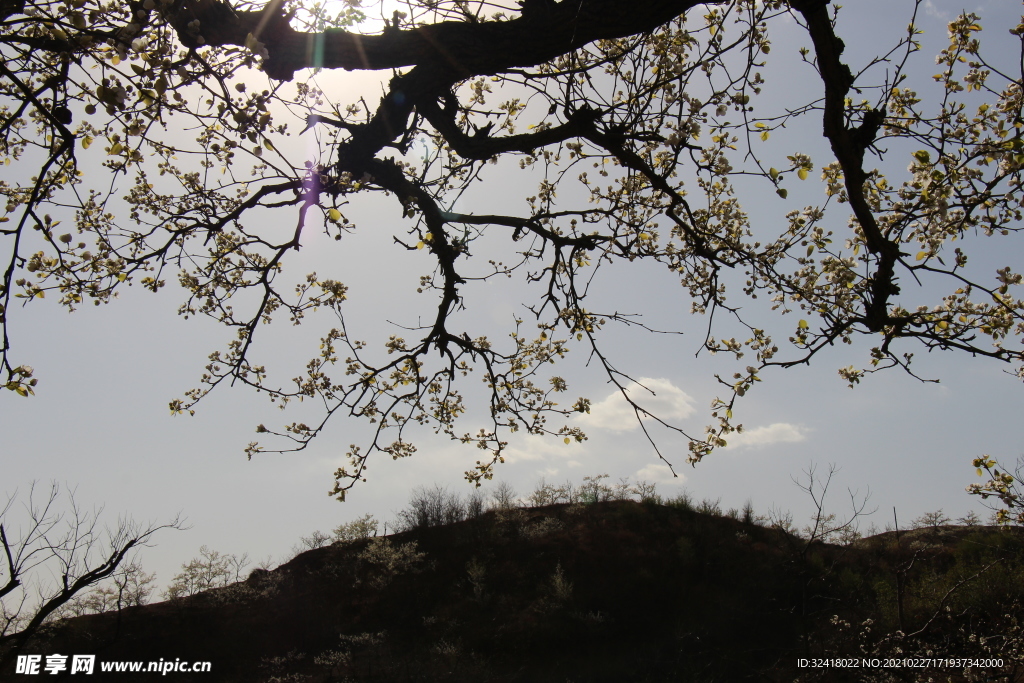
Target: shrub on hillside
211, 569
430, 507
357, 530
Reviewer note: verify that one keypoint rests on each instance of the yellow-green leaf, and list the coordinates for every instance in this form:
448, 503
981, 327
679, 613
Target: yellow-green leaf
802, 174
764, 135
782, 192
121, 277
87, 142
334, 215
802, 324
567, 439
921, 255
116, 149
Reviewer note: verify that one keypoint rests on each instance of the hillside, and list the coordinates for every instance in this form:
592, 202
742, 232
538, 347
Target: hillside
610, 591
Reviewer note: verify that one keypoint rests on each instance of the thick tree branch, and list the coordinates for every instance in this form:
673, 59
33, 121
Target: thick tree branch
462, 49
482, 146
848, 145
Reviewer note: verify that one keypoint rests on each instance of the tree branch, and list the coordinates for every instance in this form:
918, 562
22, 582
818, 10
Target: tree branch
462, 49
848, 145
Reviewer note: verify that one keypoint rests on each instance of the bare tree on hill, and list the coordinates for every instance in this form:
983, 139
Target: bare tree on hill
53, 551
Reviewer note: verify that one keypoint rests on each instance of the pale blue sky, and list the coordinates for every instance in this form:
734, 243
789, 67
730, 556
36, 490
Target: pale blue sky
100, 420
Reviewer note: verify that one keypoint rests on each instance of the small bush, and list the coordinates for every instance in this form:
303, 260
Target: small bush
335, 661
683, 501
390, 560
431, 507
549, 494
748, 513
504, 496
543, 527
510, 521
317, 539
593, 490
646, 493
710, 507
561, 587
210, 570
277, 666
476, 571
970, 519
261, 584
475, 504
782, 520
931, 519
357, 530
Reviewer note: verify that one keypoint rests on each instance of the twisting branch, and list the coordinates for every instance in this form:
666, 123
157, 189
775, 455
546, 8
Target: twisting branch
848, 145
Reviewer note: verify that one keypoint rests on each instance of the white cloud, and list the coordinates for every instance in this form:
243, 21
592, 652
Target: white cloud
658, 395
533, 447
777, 432
658, 474
932, 10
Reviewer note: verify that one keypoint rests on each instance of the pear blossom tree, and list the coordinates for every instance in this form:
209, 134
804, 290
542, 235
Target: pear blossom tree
650, 130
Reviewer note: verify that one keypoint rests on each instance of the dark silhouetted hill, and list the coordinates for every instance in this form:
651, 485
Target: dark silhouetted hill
610, 591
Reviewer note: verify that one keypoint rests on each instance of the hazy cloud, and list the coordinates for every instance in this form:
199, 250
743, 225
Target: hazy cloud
778, 432
932, 10
613, 413
658, 474
533, 447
